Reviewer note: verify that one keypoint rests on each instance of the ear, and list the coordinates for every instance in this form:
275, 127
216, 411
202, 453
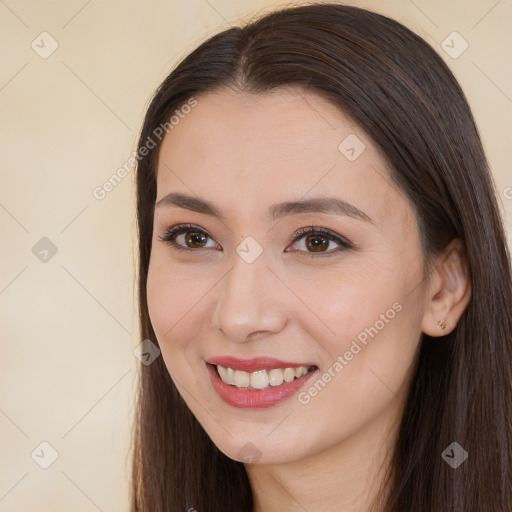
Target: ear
448, 292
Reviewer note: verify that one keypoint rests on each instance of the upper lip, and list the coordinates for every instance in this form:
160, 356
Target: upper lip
254, 364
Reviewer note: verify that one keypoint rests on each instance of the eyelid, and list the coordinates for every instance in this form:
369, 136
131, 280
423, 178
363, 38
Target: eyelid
317, 230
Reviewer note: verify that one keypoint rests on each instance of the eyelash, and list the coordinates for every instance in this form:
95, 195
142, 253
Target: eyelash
344, 244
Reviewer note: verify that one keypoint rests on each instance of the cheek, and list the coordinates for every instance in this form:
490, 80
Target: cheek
369, 321
176, 299
366, 365
343, 302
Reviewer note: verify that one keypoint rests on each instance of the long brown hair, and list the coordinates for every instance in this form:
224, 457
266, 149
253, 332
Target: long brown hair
401, 93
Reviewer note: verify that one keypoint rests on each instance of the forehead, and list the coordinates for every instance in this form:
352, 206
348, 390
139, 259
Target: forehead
284, 122
247, 150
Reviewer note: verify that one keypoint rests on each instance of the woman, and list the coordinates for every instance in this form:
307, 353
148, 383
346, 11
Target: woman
324, 269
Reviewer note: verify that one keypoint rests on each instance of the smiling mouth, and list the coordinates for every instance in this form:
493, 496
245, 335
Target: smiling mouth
261, 379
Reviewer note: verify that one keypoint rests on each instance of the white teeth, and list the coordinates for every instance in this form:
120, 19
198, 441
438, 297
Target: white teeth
260, 379
289, 374
242, 379
222, 372
275, 377
227, 374
230, 377
300, 371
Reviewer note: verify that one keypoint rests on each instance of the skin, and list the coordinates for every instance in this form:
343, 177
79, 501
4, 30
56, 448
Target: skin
244, 152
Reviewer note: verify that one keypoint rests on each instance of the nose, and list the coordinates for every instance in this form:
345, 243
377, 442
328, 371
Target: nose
249, 302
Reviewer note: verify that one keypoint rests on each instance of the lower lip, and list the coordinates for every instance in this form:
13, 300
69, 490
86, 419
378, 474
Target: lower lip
258, 398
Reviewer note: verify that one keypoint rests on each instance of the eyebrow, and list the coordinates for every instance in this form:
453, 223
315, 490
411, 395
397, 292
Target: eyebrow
324, 204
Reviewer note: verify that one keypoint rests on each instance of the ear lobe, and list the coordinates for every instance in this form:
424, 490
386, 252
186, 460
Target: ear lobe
449, 291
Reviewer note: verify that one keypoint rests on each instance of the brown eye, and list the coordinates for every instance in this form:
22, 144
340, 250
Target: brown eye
316, 243
188, 238
312, 241
195, 239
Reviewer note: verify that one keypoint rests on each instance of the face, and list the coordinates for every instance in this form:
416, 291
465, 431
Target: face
258, 274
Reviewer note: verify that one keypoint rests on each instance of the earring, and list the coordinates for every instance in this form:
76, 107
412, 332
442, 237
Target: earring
442, 324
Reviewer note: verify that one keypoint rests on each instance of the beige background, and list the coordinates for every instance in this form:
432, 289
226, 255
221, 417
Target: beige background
68, 121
